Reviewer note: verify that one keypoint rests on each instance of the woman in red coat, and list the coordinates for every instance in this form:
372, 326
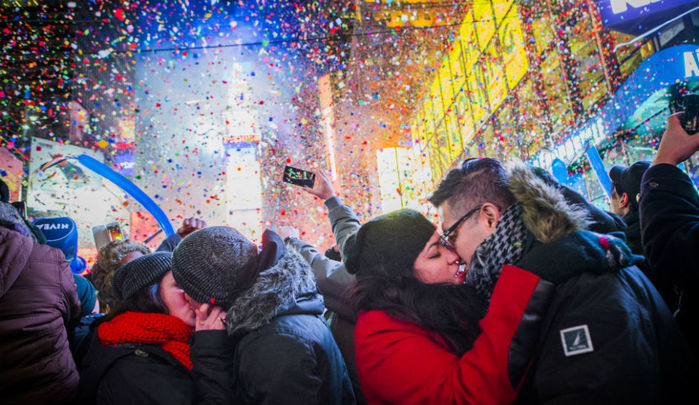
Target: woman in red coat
420, 336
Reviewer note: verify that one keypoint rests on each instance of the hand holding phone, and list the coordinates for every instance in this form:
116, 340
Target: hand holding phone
688, 105
299, 177
676, 145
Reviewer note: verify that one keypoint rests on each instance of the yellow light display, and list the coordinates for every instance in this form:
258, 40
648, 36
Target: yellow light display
494, 77
436, 97
414, 134
455, 146
478, 100
457, 68
428, 120
500, 7
514, 54
473, 79
445, 78
468, 41
485, 24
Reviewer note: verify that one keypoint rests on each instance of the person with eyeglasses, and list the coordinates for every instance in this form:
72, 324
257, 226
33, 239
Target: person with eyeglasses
607, 336
421, 336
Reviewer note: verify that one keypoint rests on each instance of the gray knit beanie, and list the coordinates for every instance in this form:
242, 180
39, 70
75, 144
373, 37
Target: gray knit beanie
141, 272
214, 264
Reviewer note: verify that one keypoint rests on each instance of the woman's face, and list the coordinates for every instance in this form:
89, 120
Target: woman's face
438, 264
174, 298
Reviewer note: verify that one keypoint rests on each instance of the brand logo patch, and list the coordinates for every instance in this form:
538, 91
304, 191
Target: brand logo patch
576, 340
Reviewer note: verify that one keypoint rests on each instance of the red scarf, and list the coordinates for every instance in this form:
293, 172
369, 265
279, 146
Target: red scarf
167, 331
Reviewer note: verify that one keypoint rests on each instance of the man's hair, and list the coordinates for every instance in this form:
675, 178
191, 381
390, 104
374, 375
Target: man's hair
619, 191
475, 182
106, 265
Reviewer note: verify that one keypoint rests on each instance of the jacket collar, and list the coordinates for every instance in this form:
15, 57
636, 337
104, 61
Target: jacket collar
545, 211
288, 287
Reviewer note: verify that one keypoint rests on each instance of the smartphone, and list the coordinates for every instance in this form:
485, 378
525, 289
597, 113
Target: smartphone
299, 177
104, 234
690, 116
21, 207
114, 231
689, 107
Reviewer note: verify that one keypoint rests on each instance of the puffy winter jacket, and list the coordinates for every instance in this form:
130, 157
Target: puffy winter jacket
38, 304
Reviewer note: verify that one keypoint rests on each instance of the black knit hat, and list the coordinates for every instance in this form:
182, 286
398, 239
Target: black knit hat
388, 244
212, 265
141, 272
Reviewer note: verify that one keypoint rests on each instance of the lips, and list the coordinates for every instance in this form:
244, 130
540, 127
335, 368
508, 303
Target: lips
461, 272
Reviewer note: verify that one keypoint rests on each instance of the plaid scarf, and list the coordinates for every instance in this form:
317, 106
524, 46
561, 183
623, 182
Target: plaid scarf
504, 246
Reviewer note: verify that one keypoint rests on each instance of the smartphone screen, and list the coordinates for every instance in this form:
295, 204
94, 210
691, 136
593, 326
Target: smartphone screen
114, 231
299, 177
690, 115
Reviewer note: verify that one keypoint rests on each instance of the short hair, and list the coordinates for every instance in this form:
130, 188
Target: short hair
475, 182
107, 262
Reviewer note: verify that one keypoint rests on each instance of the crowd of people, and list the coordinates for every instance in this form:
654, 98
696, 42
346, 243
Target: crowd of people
527, 294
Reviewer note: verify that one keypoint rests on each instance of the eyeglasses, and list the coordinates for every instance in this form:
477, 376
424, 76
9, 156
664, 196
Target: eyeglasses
449, 236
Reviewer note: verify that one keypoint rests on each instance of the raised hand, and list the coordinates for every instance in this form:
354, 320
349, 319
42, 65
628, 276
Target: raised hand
322, 188
190, 225
677, 145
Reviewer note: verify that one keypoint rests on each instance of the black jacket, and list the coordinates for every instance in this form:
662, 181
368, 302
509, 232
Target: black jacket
279, 349
607, 337
669, 208
630, 350
132, 373
632, 230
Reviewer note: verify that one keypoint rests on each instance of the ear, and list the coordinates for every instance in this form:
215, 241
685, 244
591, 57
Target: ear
491, 215
624, 200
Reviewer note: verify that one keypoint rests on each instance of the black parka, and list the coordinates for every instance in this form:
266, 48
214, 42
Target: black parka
669, 208
279, 349
132, 373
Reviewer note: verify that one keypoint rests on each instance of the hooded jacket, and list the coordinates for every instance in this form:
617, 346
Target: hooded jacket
334, 282
607, 336
279, 346
38, 302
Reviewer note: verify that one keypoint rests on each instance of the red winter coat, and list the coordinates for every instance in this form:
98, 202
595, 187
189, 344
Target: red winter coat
37, 300
401, 363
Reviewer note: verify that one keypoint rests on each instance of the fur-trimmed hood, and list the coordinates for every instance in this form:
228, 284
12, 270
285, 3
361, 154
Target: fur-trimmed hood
564, 246
288, 287
545, 211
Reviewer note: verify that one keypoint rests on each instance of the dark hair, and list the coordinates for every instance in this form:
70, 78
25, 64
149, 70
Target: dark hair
452, 311
475, 182
143, 300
